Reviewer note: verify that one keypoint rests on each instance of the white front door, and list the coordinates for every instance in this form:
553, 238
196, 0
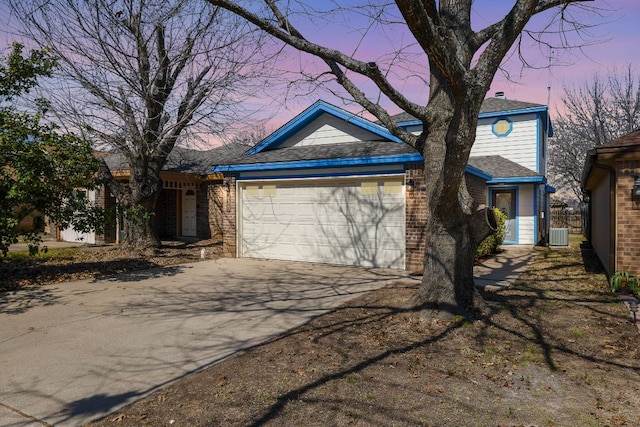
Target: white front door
189, 212
339, 221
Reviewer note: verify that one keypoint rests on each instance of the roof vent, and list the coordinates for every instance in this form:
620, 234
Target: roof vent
500, 95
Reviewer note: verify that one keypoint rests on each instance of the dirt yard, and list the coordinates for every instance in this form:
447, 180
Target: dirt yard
557, 349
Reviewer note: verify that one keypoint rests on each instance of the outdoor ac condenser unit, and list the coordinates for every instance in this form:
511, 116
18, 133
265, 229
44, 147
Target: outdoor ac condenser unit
559, 237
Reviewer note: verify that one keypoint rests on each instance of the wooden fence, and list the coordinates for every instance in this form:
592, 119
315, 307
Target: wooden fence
562, 218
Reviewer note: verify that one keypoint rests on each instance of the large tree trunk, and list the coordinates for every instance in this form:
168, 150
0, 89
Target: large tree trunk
140, 231
455, 224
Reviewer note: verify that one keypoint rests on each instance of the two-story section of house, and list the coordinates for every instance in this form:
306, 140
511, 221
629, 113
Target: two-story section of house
332, 187
511, 146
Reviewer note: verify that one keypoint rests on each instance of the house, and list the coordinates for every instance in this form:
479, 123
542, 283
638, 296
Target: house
333, 187
182, 208
611, 180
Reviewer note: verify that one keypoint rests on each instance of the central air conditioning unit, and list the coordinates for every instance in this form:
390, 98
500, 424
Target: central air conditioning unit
559, 237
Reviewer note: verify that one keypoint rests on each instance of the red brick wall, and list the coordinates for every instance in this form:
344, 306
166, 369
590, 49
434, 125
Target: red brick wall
222, 214
416, 214
477, 188
416, 217
627, 217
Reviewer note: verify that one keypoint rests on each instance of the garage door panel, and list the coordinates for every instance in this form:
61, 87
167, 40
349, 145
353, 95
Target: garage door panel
325, 222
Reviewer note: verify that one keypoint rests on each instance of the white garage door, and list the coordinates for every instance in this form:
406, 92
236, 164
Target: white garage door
349, 222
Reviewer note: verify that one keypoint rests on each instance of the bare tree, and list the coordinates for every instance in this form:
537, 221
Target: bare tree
143, 75
594, 113
457, 63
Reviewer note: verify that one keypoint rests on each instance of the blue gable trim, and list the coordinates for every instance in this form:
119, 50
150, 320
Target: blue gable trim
478, 172
490, 114
310, 114
323, 163
549, 189
519, 180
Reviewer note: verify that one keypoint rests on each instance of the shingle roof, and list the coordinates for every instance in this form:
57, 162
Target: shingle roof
186, 160
326, 151
489, 105
499, 167
628, 140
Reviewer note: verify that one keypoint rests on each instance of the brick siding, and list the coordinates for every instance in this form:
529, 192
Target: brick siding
416, 218
222, 214
203, 199
477, 188
627, 217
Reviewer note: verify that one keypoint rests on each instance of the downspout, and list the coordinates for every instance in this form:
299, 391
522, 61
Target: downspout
612, 213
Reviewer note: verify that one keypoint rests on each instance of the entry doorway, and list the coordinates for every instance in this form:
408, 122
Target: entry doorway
189, 213
505, 200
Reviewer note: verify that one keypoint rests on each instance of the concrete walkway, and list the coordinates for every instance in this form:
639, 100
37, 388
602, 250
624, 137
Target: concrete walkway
74, 352
500, 271
77, 351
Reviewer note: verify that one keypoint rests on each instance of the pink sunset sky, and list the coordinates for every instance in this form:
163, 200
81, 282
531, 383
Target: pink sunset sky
615, 41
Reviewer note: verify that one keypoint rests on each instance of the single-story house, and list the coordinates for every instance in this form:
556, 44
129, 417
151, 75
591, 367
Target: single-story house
183, 207
611, 179
332, 187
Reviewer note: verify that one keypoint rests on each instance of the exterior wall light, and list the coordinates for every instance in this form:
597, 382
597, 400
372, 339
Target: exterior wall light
636, 188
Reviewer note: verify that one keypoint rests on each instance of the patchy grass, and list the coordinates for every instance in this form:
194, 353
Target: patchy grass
557, 349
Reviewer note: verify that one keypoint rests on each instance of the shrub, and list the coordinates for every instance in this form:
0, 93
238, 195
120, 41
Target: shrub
492, 242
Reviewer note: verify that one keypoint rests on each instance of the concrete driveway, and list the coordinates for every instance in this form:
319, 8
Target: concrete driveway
74, 352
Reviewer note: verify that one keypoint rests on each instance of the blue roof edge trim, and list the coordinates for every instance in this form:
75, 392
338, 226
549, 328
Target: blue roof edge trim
549, 189
541, 109
513, 112
539, 179
478, 172
313, 112
321, 163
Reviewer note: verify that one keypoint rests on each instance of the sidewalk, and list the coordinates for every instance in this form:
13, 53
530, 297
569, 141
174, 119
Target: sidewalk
500, 271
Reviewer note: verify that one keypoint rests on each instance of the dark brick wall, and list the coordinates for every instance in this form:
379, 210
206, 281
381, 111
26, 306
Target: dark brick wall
477, 188
203, 230
167, 214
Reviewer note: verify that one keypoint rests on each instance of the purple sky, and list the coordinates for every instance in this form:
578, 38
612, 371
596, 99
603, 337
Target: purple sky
618, 36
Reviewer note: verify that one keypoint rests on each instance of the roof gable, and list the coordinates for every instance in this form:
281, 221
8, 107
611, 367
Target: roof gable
491, 107
310, 123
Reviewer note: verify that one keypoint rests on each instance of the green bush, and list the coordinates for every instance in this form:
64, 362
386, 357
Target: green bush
491, 244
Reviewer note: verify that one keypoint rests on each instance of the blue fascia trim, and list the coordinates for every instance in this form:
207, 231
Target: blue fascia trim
313, 112
478, 172
539, 137
321, 175
549, 189
408, 123
519, 180
321, 163
512, 112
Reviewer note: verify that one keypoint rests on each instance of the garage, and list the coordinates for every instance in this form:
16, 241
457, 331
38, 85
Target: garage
356, 221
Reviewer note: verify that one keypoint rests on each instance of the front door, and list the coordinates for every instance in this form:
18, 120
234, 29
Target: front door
189, 213
505, 200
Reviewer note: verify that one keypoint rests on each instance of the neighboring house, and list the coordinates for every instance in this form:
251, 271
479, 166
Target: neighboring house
332, 187
611, 179
183, 206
